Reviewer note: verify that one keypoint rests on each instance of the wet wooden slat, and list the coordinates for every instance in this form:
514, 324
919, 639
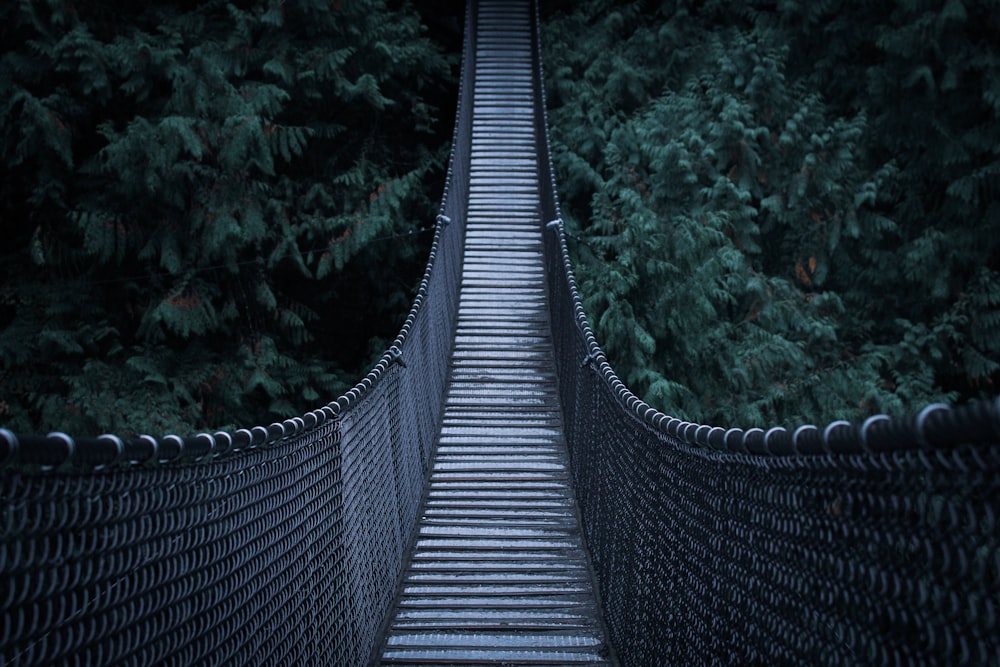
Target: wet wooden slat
499, 574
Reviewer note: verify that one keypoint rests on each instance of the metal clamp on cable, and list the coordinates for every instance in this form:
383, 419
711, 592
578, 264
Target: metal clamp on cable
588, 360
556, 224
396, 356
443, 220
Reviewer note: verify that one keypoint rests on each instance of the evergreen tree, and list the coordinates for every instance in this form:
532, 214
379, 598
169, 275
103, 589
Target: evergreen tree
208, 207
748, 247
928, 76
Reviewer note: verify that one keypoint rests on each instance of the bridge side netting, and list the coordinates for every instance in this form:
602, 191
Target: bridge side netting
391, 419
181, 563
876, 543
275, 545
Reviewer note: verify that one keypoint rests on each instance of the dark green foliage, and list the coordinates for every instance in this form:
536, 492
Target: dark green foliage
933, 102
762, 240
208, 208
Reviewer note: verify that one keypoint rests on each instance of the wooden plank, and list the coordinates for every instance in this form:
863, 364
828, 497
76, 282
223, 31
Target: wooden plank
498, 573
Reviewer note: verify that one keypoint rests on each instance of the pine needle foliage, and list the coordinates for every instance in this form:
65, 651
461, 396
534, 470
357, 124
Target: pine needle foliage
209, 209
769, 228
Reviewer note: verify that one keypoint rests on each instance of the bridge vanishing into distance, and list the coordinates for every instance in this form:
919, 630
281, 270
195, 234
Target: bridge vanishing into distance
491, 493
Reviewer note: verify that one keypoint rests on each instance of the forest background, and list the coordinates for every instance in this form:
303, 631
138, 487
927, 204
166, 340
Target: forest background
217, 213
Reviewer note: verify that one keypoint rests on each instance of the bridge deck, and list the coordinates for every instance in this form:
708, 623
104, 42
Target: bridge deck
498, 573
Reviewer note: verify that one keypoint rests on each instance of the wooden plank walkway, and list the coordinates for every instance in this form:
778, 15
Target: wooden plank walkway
498, 574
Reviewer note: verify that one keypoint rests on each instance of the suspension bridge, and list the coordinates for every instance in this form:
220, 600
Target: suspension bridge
491, 493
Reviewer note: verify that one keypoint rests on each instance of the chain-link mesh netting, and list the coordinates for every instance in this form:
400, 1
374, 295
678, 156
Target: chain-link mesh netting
274, 545
855, 544
179, 564
843, 558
